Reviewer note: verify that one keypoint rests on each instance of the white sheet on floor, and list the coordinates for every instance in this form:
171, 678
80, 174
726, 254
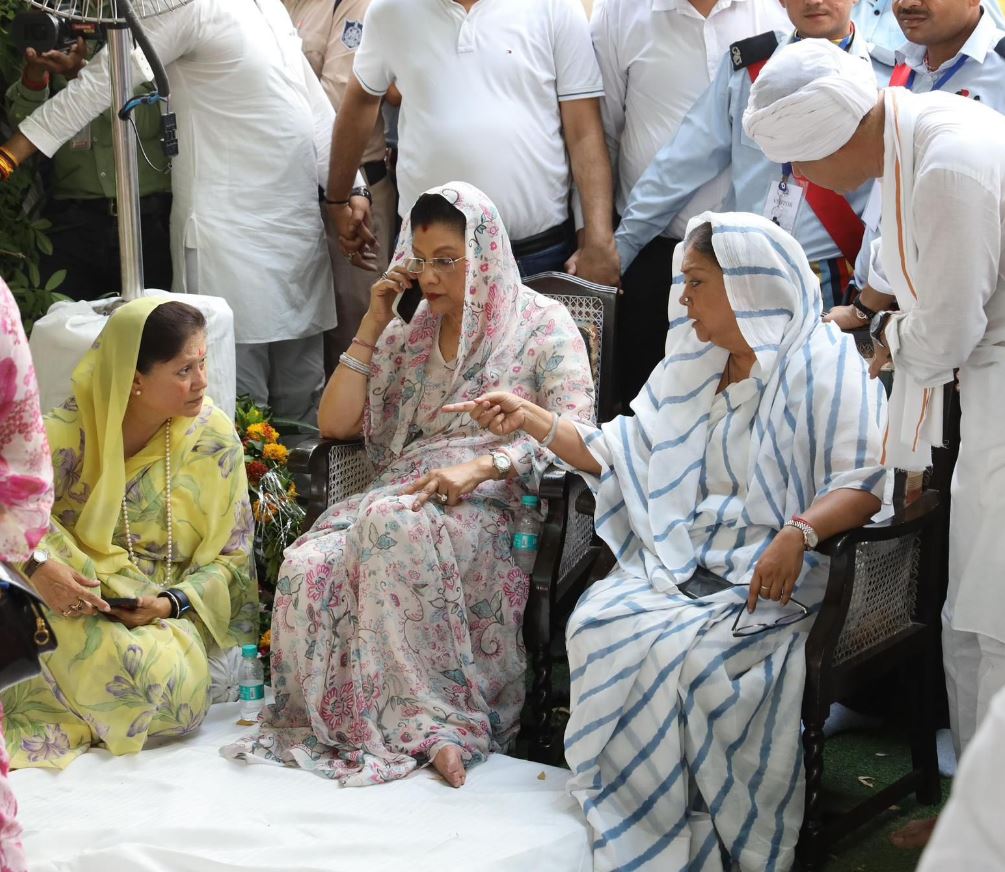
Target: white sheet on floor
181, 807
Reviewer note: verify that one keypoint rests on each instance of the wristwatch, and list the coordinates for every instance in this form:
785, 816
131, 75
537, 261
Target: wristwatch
862, 311
810, 538
38, 557
877, 328
362, 191
502, 462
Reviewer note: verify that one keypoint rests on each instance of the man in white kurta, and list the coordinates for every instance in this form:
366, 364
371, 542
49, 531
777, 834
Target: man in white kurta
969, 834
942, 162
254, 130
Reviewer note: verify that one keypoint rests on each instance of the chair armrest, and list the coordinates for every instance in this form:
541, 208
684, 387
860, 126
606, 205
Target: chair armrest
586, 503
906, 519
310, 464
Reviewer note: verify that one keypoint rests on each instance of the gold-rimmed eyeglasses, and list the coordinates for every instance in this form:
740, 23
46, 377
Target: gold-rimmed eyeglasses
416, 265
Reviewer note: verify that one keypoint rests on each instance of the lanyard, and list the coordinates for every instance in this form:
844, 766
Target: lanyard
945, 77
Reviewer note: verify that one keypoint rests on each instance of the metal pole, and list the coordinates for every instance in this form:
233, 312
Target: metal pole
126, 167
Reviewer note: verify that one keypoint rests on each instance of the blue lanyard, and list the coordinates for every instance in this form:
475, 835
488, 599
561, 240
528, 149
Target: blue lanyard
945, 77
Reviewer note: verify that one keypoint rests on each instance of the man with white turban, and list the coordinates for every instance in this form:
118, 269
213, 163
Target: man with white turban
953, 46
710, 140
942, 164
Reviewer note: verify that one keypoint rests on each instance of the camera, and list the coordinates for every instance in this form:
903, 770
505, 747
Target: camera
44, 31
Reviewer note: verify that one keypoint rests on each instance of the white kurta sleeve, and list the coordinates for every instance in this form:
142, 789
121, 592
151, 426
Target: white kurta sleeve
324, 121
958, 271
89, 94
969, 834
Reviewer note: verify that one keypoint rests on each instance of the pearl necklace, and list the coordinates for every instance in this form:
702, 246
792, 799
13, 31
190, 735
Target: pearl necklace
170, 518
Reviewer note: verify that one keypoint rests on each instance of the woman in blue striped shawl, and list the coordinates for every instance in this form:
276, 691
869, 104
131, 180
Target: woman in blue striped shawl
759, 432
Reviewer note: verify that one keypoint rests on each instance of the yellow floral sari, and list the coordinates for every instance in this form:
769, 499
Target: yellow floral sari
106, 683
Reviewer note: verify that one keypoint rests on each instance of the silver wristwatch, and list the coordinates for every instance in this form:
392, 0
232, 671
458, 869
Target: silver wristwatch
502, 463
38, 557
810, 538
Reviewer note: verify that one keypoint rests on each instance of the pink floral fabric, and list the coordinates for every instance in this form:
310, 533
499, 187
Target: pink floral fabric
11, 854
395, 631
25, 501
25, 465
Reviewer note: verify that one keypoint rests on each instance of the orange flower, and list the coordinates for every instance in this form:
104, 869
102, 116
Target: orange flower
276, 453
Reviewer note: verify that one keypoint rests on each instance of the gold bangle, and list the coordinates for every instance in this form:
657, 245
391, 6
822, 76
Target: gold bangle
9, 155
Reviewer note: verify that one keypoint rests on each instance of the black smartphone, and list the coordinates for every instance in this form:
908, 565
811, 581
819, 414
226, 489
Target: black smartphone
129, 604
407, 302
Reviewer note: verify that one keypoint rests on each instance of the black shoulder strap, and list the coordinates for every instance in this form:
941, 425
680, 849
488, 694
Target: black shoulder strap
335, 7
1000, 48
753, 49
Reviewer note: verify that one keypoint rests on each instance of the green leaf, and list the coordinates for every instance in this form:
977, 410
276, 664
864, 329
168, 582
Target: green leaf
43, 243
56, 279
33, 275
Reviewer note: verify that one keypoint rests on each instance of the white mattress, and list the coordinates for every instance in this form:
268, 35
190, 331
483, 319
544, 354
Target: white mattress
180, 807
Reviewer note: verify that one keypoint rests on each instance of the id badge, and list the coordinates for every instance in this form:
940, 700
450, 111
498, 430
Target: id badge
82, 140
782, 203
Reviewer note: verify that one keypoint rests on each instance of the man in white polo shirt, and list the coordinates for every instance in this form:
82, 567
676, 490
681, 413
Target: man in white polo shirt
657, 57
493, 92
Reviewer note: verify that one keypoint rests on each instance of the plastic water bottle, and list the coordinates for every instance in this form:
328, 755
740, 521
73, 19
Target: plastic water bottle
525, 534
251, 677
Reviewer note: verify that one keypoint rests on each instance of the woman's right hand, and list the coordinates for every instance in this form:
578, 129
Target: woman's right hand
383, 293
66, 591
497, 411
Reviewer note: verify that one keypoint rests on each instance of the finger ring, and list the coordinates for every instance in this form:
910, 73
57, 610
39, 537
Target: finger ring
349, 257
442, 498
66, 613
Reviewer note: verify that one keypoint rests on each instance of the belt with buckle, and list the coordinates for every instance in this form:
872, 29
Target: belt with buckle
564, 232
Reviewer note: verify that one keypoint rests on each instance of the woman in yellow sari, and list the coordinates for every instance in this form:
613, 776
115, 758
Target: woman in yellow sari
151, 506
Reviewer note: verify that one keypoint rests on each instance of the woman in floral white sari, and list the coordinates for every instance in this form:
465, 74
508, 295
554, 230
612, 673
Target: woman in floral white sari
397, 625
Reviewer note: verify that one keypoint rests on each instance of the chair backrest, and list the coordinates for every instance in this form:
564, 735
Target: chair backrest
593, 308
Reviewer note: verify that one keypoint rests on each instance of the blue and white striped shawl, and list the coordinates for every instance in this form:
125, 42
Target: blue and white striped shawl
818, 426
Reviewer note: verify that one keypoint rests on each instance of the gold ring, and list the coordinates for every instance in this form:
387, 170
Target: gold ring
349, 257
442, 498
66, 613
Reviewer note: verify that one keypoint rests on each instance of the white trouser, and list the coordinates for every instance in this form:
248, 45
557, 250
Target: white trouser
288, 376
975, 672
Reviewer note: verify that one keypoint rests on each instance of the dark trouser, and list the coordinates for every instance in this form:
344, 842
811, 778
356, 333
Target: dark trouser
545, 252
85, 242
642, 319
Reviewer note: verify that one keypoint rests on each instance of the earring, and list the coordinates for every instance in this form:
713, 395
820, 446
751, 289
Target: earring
137, 392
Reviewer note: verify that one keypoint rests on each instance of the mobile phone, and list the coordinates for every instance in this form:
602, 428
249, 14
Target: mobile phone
129, 604
407, 302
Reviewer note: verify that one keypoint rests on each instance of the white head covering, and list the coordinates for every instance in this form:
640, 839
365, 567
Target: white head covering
808, 101
817, 426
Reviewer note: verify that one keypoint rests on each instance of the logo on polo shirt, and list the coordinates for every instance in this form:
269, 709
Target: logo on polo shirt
965, 93
352, 34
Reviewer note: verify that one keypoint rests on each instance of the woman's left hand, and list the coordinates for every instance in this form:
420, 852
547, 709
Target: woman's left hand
778, 570
149, 610
447, 486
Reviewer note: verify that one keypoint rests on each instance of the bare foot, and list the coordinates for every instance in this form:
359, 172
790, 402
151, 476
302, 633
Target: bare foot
914, 835
449, 764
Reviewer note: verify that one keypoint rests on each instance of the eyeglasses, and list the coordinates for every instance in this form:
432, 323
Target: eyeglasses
416, 265
762, 627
